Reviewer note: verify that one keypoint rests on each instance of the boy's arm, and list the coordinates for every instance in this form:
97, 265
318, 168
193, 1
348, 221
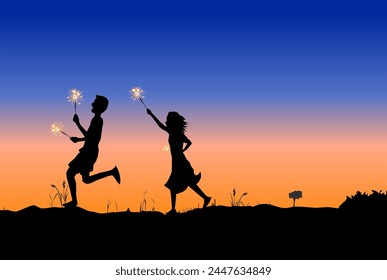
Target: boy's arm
76, 139
160, 124
76, 120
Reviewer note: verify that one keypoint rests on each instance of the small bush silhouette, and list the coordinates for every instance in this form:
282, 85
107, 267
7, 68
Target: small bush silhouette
295, 195
364, 201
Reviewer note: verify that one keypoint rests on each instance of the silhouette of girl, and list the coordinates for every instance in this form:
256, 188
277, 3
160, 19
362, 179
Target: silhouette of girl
182, 175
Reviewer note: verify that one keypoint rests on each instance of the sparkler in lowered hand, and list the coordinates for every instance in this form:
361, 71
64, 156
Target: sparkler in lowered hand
75, 96
137, 94
57, 128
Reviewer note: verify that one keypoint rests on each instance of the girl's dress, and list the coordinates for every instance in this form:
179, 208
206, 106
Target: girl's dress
182, 174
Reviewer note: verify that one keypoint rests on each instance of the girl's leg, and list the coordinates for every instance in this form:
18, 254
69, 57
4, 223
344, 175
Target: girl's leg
199, 191
173, 200
173, 203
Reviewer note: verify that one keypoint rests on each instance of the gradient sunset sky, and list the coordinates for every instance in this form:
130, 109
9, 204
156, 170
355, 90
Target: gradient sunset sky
279, 96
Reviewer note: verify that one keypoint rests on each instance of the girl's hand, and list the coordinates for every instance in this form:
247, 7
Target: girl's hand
149, 111
74, 139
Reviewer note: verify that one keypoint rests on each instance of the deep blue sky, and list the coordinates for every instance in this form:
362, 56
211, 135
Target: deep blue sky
192, 10
303, 55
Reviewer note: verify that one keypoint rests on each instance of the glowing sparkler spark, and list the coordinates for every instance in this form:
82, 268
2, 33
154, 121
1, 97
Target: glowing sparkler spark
75, 96
138, 94
165, 148
57, 128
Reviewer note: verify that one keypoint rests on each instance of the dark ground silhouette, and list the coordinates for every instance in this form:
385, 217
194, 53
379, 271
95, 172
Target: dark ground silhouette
215, 232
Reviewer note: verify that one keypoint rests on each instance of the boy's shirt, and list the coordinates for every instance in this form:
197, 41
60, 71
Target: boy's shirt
93, 135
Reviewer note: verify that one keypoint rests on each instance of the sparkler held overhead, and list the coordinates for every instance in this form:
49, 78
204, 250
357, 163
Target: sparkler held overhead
75, 96
138, 94
57, 128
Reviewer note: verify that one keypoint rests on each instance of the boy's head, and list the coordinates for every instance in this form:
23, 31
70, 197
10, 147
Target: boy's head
100, 104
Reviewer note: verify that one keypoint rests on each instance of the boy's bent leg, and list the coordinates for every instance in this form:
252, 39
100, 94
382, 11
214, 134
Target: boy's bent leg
116, 174
87, 178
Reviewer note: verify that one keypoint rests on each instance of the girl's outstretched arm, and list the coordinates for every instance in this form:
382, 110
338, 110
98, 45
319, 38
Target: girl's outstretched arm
160, 124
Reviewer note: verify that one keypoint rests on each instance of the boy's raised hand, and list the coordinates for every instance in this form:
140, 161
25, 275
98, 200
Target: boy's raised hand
76, 118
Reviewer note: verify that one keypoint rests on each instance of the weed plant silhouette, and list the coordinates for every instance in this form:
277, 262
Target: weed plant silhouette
61, 195
233, 199
108, 206
144, 203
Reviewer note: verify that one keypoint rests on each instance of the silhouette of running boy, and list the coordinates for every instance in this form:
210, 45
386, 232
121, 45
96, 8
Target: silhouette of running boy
83, 163
182, 175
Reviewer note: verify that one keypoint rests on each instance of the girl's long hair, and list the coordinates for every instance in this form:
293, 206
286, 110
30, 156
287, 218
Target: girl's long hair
176, 122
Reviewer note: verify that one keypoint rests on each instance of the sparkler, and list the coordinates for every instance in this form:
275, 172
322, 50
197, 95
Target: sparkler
165, 148
137, 94
57, 128
75, 96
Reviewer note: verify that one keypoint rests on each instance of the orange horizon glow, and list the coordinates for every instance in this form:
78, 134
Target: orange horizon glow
267, 164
